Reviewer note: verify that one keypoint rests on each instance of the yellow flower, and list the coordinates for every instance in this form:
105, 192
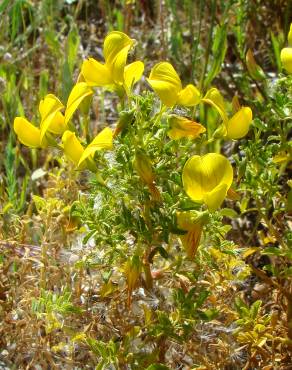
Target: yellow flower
235, 127
72, 147
286, 59
166, 83
238, 125
206, 179
53, 121
184, 127
214, 98
104, 140
51, 118
286, 53
79, 92
77, 154
290, 36
27, 133
114, 72
193, 223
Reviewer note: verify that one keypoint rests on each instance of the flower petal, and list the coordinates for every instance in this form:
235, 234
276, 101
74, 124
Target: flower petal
72, 147
95, 73
215, 197
115, 42
132, 74
48, 109
117, 66
238, 126
214, 98
165, 82
286, 59
203, 174
184, 127
58, 126
189, 96
79, 92
27, 133
104, 140
290, 36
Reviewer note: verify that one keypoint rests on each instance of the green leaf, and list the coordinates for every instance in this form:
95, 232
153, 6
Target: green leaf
67, 81
4, 5
219, 50
72, 47
229, 212
254, 310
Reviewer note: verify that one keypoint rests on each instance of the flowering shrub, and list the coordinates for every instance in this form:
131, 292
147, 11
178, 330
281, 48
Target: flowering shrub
161, 187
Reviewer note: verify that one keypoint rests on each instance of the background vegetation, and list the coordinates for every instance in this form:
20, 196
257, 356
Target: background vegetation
64, 291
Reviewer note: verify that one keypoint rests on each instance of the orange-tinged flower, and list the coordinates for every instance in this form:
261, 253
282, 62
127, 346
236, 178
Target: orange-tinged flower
183, 127
193, 223
144, 168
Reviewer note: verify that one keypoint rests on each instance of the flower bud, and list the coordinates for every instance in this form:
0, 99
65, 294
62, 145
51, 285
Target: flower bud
183, 127
144, 169
254, 69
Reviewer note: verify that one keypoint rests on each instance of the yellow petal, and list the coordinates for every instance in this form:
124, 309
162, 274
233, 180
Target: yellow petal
117, 66
286, 59
114, 43
214, 98
79, 92
215, 197
238, 126
58, 126
184, 127
203, 174
132, 74
95, 73
27, 133
290, 36
165, 82
189, 96
72, 147
48, 109
80, 78
104, 140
